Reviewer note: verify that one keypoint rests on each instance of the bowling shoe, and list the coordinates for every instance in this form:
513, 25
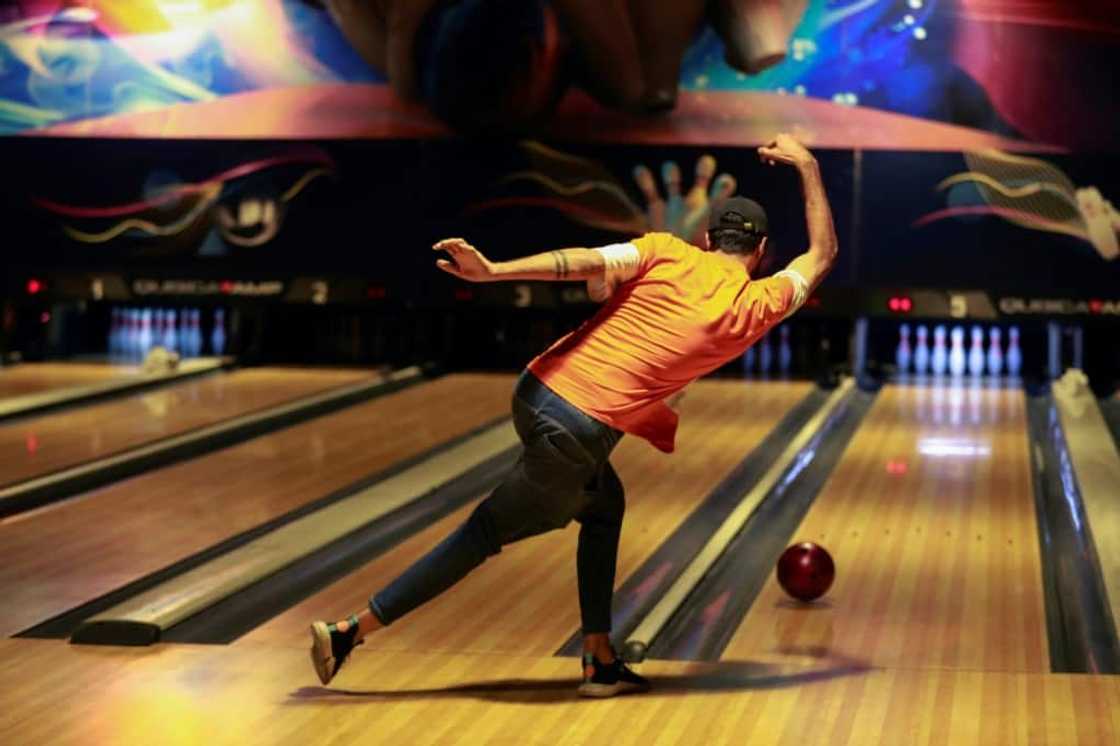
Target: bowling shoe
330, 648
609, 679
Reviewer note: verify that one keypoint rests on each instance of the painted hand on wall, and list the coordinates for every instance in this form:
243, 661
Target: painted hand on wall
685, 216
587, 193
1031, 193
1102, 221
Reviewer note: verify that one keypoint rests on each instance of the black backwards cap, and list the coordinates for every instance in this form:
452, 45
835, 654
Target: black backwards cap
739, 214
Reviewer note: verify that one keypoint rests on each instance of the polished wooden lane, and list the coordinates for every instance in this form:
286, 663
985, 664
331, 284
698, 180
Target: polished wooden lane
930, 518
36, 378
524, 600
34, 446
62, 695
63, 555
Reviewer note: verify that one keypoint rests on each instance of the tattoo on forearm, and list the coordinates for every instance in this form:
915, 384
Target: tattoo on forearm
561, 263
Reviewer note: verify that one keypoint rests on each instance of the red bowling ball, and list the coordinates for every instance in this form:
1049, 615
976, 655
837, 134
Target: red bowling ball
806, 571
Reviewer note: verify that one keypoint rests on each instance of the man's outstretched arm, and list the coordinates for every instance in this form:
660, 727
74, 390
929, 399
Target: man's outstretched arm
818, 259
468, 263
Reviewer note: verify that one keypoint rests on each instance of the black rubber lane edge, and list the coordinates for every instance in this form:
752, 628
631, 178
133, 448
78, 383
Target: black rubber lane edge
1110, 408
645, 587
64, 624
55, 491
115, 392
711, 614
256, 604
1079, 625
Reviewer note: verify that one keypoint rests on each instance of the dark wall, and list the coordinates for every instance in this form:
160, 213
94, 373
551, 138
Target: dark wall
373, 208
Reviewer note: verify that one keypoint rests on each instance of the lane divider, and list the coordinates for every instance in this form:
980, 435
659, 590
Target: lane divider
32, 493
786, 464
29, 404
141, 619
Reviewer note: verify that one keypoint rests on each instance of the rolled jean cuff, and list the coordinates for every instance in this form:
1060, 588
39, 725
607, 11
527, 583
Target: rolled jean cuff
378, 614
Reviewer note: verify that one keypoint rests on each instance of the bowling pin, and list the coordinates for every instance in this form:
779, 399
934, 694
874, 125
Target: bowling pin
765, 356
1014, 355
976, 353
921, 352
218, 335
137, 329
196, 333
956, 352
995, 352
170, 331
184, 333
785, 354
124, 334
902, 354
749, 360
127, 333
940, 358
144, 342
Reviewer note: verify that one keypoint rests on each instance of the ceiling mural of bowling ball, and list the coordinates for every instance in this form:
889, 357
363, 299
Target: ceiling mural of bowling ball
914, 74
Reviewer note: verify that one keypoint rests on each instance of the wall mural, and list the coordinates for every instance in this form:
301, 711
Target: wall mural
372, 208
1033, 194
916, 74
240, 206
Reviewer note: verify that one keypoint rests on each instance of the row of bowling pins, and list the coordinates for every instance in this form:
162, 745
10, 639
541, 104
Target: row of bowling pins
761, 356
953, 359
135, 331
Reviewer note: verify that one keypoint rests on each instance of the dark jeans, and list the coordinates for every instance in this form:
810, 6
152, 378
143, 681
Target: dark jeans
563, 474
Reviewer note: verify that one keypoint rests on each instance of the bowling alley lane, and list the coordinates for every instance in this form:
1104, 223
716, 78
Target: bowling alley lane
930, 518
37, 378
63, 555
34, 446
524, 600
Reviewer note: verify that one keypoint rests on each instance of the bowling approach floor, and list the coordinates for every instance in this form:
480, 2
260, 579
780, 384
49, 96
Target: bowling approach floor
933, 633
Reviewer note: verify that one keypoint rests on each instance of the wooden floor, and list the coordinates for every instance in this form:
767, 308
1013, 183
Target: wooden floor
63, 695
35, 378
524, 600
66, 554
930, 519
34, 446
933, 634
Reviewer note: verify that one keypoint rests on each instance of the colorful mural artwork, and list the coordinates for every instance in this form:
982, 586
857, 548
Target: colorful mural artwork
916, 74
243, 206
1032, 194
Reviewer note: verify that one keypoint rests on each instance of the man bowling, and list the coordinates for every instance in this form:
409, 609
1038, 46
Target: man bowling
673, 312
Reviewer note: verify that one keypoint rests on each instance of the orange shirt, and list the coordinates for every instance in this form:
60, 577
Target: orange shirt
684, 313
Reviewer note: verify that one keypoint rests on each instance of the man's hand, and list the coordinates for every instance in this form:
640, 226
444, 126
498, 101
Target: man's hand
466, 261
561, 265
818, 259
785, 149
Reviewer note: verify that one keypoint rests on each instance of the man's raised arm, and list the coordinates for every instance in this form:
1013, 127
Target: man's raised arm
816, 262
467, 262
